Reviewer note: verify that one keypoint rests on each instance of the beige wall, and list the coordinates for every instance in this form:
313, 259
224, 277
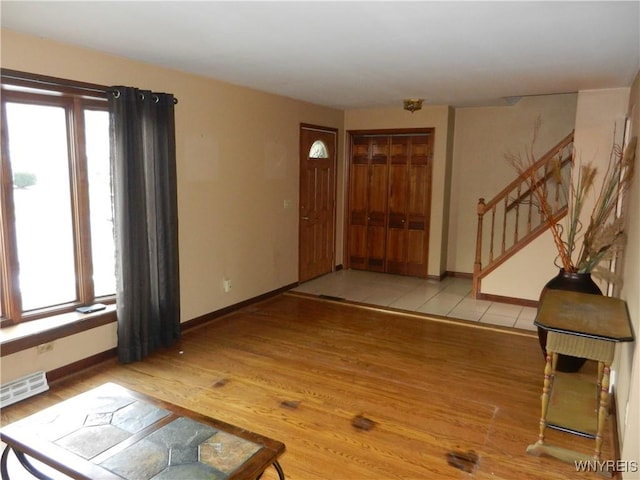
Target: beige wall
65, 351
598, 114
628, 355
483, 135
237, 155
600, 121
440, 118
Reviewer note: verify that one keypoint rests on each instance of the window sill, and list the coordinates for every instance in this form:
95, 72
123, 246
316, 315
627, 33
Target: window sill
30, 334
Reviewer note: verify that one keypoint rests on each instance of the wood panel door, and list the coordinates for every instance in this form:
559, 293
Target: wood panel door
357, 246
368, 202
317, 201
389, 202
419, 172
377, 204
397, 247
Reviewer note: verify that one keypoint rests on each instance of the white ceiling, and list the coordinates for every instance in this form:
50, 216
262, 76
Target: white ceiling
362, 54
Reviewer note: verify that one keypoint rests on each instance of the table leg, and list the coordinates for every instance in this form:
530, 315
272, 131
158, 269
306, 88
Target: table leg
4, 472
554, 363
599, 384
552, 359
602, 410
278, 468
22, 458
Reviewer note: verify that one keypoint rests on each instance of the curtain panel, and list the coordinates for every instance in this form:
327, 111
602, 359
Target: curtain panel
146, 220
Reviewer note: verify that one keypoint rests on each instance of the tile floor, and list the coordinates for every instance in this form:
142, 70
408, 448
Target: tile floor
450, 297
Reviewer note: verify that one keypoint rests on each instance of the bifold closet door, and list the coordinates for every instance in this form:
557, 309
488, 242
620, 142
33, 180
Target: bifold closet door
418, 205
368, 202
397, 237
389, 202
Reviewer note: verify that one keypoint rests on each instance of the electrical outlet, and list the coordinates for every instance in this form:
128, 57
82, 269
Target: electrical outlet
226, 285
45, 347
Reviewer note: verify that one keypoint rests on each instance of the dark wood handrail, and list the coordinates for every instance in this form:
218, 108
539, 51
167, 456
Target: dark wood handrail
519, 180
528, 191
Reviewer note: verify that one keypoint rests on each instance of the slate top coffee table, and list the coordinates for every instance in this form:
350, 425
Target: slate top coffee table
112, 432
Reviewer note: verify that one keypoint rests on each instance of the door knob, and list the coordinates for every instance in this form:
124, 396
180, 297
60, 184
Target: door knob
305, 218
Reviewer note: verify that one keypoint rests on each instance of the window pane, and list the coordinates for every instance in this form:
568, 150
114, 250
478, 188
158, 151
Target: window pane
99, 172
39, 161
318, 150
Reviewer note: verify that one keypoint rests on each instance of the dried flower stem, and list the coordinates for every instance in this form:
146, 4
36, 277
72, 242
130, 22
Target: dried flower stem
604, 236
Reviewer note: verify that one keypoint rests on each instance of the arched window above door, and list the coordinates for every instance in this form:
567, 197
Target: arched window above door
318, 150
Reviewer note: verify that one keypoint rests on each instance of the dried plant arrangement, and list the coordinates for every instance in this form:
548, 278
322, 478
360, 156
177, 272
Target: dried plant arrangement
580, 249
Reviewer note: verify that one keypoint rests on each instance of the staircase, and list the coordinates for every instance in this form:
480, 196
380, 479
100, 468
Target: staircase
512, 220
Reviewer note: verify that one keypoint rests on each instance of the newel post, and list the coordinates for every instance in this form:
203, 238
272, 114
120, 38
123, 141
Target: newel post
477, 266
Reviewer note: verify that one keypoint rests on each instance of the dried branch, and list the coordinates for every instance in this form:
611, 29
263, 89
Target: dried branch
604, 236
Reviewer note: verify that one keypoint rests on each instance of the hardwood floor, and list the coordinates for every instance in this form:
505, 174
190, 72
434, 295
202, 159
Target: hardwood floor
355, 393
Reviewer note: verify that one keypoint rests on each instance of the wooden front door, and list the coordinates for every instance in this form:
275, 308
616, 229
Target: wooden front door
317, 201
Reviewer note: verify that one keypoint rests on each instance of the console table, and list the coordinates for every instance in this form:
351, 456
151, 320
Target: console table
586, 326
111, 432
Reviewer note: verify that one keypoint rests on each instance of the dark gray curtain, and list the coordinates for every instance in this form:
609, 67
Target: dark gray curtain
146, 220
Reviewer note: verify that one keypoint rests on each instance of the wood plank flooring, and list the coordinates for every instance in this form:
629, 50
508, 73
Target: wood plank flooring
355, 393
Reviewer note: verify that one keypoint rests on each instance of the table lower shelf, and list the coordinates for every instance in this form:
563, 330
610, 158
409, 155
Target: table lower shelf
573, 405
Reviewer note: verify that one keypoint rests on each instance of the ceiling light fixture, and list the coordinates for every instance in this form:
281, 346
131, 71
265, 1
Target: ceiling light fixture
413, 104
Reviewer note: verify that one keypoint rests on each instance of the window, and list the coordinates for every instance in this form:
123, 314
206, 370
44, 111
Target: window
318, 150
56, 216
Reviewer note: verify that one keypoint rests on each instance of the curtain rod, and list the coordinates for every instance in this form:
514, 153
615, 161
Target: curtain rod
47, 81
116, 94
